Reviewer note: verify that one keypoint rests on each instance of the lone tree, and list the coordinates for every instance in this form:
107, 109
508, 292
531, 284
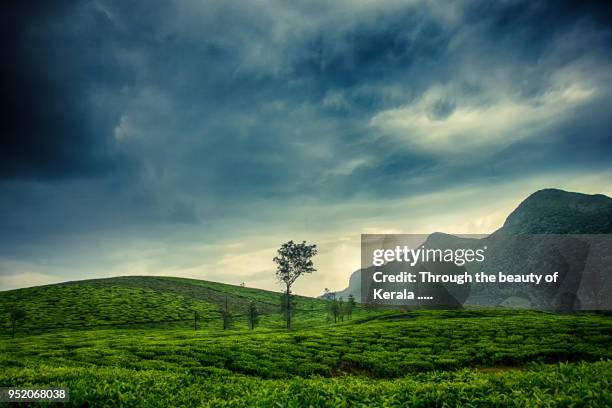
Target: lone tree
293, 260
15, 315
252, 315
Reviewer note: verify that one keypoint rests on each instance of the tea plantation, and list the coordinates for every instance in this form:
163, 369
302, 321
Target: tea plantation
132, 342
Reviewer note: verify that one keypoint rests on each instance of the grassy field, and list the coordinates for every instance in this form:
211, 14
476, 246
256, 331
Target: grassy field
142, 301
131, 342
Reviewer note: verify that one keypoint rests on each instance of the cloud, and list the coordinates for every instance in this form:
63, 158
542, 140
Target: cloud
54, 126
437, 125
21, 279
18, 274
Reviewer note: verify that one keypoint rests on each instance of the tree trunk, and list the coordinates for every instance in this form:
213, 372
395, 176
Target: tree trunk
287, 295
226, 315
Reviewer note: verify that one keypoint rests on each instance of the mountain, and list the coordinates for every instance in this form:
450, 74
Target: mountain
553, 211
582, 260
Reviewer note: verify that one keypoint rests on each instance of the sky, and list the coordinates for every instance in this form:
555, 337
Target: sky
192, 138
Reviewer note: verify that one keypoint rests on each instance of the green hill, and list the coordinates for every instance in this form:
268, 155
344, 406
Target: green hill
130, 341
140, 300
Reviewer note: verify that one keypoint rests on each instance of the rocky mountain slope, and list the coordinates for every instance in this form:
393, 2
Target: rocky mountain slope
583, 260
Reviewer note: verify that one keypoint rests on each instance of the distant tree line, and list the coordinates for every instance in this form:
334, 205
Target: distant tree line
338, 309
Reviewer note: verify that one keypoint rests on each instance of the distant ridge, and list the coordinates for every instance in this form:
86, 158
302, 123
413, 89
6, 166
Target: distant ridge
547, 211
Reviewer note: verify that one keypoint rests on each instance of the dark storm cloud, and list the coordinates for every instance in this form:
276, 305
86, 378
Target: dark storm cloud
125, 118
379, 50
53, 127
77, 68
